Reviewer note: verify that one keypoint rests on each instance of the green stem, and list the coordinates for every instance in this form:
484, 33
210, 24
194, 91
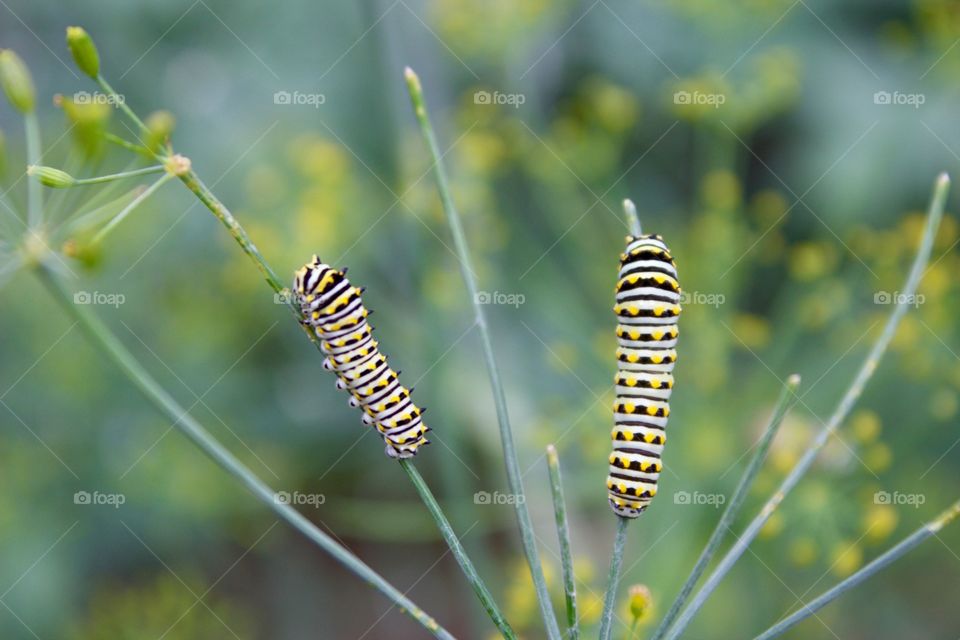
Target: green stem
733, 506
34, 188
514, 477
203, 192
900, 549
613, 579
110, 346
633, 220
119, 176
840, 413
126, 144
486, 599
122, 104
117, 219
563, 533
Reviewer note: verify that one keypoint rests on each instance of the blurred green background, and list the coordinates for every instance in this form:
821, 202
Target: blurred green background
752, 137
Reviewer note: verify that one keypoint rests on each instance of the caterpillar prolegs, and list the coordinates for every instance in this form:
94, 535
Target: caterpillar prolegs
332, 307
647, 308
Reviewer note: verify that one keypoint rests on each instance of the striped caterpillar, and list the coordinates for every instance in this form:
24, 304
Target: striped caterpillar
647, 307
334, 310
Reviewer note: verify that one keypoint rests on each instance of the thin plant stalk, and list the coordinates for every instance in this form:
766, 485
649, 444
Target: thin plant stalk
563, 534
101, 336
894, 553
135, 173
34, 188
613, 578
121, 103
736, 501
633, 220
840, 413
514, 477
117, 219
459, 553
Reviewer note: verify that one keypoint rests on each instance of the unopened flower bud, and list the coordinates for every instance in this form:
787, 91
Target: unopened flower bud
83, 50
16, 81
160, 124
51, 177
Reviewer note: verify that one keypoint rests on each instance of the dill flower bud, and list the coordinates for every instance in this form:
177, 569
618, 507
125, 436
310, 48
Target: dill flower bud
16, 82
160, 124
640, 601
51, 177
83, 50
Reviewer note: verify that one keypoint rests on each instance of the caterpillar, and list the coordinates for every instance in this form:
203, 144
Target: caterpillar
647, 308
334, 311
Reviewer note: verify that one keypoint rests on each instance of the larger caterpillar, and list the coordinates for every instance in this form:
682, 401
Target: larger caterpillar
647, 307
332, 307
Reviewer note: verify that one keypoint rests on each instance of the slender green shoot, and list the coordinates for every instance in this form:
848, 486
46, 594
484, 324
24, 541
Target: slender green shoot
122, 104
136, 173
117, 219
633, 220
514, 477
736, 501
839, 415
613, 578
563, 533
34, 188
894, 553
102, 338
486, 599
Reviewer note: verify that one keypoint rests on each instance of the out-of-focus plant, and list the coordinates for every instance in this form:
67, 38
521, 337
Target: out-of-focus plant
82, 238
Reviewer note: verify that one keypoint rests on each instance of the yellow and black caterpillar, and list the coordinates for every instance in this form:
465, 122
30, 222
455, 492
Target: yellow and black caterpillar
332, 307
647, 308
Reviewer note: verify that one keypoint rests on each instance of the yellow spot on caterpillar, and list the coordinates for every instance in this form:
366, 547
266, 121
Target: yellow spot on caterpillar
655, 383
658, 311
657, 335
656, 359
649, 437
634, 335
628, 408
633, 357
651, 411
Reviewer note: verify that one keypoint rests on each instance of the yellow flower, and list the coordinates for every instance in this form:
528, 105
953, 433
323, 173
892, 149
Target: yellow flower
639, 603
943, 405
803, 551
721, 190
590, 607
773, 527
812, 260
880, 521
865, 426
878, 457
846, 558
753, 331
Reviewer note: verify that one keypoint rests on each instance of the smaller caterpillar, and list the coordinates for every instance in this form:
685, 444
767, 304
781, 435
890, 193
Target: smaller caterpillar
647, 308
335, 311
